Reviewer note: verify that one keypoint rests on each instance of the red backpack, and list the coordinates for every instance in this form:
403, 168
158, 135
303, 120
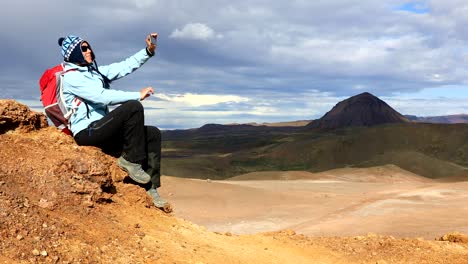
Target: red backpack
52, 98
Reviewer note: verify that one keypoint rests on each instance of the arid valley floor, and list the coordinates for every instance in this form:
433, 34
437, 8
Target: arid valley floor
343, 202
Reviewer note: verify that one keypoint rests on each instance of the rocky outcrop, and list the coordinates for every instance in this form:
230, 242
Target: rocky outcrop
16, 116
44, 173
41, 157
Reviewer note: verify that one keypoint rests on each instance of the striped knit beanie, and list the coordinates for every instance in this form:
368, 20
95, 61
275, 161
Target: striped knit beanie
71, 49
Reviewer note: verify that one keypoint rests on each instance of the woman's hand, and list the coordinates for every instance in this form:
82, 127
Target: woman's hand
150, 46
145, 92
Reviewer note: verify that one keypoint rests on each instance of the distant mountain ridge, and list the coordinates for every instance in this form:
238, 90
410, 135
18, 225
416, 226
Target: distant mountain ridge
363, 109
375, 135
296, 123
447, 119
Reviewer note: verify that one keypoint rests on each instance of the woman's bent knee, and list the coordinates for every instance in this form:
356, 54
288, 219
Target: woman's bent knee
153, 132
134, 105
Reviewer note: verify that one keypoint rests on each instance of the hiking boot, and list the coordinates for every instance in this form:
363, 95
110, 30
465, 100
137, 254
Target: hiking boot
135, 171
157, 200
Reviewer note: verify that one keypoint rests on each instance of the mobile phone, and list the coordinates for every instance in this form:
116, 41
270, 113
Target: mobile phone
154, 39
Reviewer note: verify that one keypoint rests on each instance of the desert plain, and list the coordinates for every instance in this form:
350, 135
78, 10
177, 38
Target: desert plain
342, 202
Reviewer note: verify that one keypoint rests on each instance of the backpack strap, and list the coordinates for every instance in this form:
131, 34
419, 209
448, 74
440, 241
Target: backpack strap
76, 101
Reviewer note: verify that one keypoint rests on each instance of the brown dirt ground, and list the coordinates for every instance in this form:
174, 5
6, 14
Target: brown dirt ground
61, 203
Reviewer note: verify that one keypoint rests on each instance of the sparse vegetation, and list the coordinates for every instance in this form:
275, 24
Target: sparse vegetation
431, 150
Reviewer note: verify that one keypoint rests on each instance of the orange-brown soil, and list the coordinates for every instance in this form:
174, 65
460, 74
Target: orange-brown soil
62, 203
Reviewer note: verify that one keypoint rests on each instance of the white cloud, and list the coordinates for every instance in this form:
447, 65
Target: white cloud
178, 111
263, 51
190, 99
195, 31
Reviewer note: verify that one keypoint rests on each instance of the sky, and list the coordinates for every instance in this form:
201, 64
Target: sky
248, 61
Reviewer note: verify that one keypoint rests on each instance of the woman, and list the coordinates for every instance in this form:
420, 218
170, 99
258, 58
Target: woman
86, 88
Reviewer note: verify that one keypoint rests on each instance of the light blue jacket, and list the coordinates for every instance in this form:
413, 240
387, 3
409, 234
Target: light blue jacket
88, 86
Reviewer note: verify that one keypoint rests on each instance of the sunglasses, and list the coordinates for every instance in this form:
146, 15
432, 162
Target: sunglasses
85, 48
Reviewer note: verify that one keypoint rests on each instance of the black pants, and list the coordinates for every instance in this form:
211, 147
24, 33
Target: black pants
123, 132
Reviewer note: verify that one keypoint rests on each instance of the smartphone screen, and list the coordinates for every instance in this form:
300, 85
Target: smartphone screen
154, 39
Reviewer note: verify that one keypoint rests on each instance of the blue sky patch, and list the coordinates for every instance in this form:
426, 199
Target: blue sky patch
418, 7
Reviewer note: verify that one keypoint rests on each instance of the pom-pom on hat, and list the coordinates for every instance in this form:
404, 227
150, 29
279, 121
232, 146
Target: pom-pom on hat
71, 49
